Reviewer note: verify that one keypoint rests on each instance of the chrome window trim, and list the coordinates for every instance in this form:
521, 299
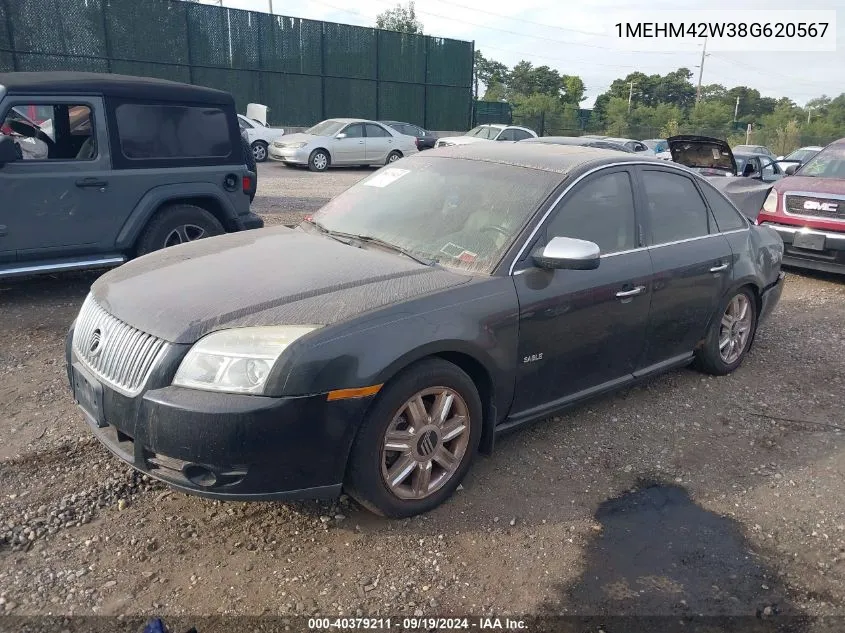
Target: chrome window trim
649, 163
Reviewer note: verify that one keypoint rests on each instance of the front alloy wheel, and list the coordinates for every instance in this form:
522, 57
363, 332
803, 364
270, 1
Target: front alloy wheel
416, 441
425, 443
259, 152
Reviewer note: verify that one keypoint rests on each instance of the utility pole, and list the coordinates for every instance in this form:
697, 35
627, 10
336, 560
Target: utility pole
630, 96
271, 8
809, 111
736, 109
701, 71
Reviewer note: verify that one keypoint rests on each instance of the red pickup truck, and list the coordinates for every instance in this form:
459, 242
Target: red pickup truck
807, 209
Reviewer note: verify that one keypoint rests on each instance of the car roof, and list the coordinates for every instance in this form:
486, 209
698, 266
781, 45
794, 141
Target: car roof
542, 156
110, 85
348, 120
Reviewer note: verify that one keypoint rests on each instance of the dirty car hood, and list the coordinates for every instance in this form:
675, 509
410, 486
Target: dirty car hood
274, 276
702, 152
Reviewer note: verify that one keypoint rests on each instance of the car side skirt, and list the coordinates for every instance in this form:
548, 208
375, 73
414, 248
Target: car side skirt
544, 411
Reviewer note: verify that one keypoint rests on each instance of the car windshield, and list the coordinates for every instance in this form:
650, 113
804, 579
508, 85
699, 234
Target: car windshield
484, 131
828, 163
326, 128
460, 213
800, 154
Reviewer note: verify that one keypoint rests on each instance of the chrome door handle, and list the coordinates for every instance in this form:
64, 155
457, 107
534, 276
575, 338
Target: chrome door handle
623, 294
719, 268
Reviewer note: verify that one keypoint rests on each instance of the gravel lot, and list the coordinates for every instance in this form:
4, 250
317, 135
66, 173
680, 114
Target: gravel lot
685, 495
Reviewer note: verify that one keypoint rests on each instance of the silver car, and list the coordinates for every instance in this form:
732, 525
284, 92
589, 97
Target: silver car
343, 142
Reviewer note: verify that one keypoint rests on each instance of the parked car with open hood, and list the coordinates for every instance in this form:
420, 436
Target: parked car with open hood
336, 142
807, 209
125, 166
490, 132
259, 136
435, 304
708, 156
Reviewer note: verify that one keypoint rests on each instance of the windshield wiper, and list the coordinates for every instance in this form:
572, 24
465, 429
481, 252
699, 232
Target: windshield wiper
348, 238
369, 239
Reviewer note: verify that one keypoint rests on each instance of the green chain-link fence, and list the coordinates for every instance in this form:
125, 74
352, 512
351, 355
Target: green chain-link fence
304, 70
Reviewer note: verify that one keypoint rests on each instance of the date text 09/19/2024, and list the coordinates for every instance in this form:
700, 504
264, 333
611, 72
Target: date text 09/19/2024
416, 623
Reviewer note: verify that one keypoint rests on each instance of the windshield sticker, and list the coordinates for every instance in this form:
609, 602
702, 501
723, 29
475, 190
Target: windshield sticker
467, 256
717, 154
453, 250
385, 177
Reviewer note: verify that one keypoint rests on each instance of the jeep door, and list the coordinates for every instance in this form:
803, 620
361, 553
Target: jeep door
57, 201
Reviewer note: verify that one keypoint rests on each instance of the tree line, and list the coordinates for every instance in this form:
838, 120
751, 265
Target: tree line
657, 106
644, 106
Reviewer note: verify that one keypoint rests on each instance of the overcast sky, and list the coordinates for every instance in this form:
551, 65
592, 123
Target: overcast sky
574, 38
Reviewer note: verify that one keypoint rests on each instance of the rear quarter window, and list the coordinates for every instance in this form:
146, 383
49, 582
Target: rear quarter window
149, 132
726, 216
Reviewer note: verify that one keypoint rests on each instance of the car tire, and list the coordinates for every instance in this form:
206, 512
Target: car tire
371, 463
731, 334
319, 160
176, 224
393, 156
259, 151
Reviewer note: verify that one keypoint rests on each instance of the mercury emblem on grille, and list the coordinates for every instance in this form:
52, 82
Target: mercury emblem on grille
95, 344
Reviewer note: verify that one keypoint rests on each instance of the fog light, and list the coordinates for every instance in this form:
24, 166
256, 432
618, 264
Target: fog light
200, 475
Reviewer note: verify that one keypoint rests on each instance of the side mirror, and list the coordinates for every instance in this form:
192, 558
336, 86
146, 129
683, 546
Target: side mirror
9, 150
341, 135
568, 253
791, 169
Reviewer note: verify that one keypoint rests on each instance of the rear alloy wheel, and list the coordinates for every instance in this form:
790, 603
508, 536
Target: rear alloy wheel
259, 151
319, 160
393, 157
730, 336
417, 442
177, 224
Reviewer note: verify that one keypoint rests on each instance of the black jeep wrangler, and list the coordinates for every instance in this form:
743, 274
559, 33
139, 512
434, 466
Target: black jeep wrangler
96, 169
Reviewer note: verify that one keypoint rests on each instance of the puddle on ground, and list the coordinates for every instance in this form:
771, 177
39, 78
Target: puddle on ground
660, 554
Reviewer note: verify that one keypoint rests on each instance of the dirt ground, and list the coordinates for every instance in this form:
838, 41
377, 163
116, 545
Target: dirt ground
686, 495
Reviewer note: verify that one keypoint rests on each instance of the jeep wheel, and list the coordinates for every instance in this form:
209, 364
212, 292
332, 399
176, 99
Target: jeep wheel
259, 151
177, 224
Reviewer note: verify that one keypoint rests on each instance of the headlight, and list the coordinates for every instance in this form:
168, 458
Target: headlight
237, 360
771, 203
297, 145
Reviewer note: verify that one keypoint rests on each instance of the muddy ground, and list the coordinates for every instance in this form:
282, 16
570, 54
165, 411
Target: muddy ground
686, 495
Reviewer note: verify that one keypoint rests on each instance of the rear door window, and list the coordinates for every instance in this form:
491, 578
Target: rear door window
376, 131
727, 217
153, 131
676, 210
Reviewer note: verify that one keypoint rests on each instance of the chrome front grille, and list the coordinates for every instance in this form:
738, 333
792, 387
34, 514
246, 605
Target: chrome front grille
117, 353
821, 206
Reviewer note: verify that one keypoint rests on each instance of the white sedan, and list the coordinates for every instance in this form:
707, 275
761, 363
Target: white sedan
343, 142
491, 132
259, 136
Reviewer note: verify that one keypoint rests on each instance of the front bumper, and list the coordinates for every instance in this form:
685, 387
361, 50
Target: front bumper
286, 155
830, 258
227, 446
